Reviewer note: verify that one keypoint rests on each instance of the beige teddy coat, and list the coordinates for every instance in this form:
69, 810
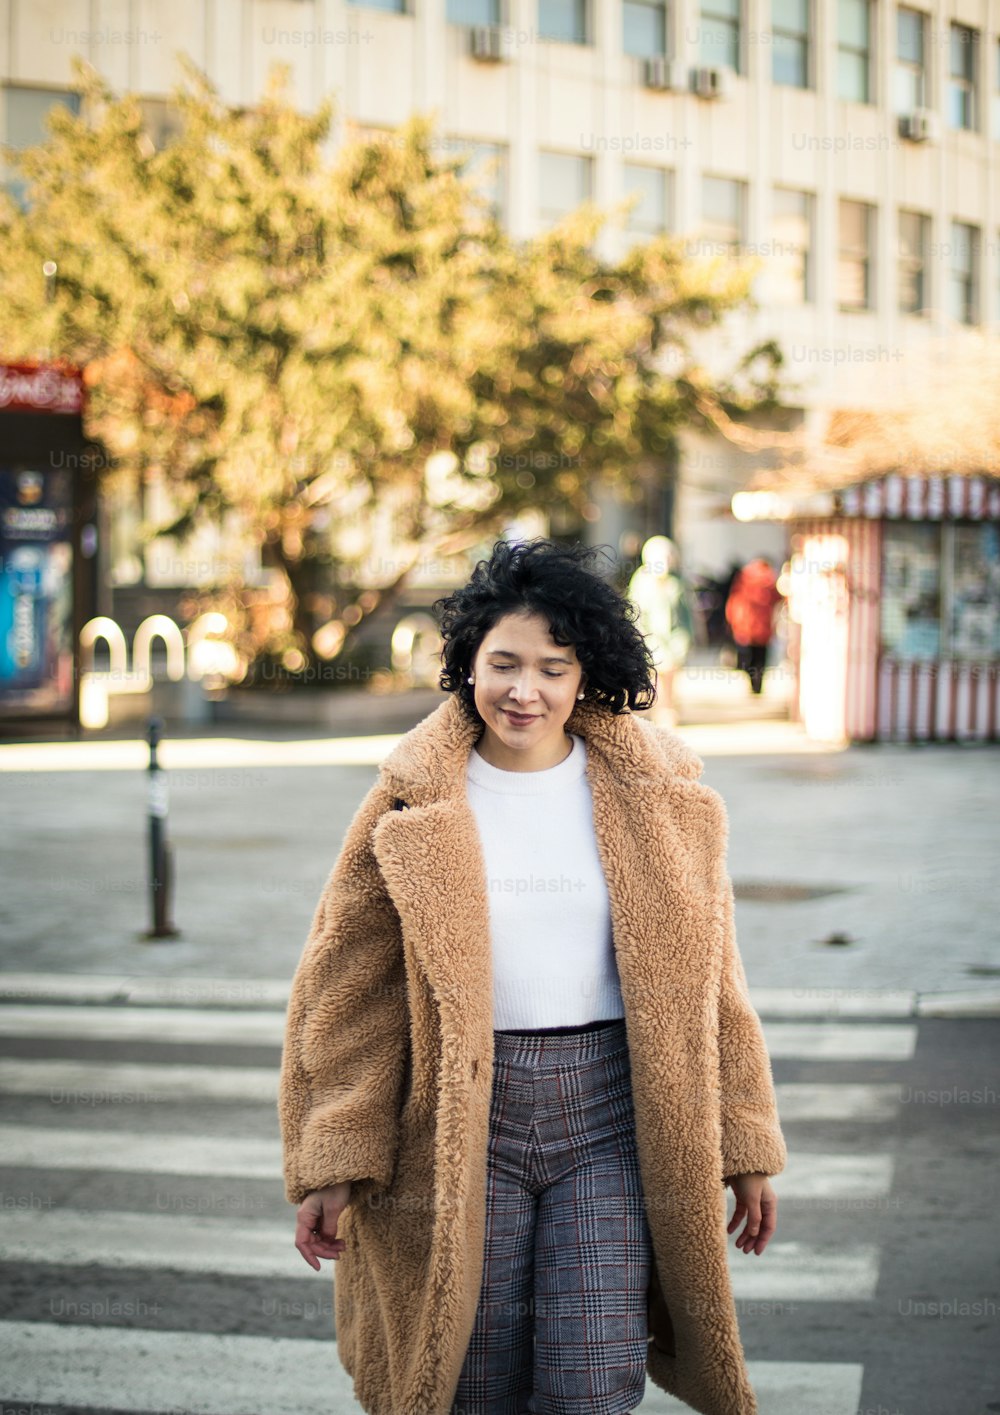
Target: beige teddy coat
387, 1068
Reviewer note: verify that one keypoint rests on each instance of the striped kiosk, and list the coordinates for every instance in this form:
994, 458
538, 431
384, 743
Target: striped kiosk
894, 606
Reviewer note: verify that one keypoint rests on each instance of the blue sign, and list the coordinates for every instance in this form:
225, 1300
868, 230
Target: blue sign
36, 590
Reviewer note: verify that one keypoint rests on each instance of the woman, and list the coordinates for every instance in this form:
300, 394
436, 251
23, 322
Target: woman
521, 1063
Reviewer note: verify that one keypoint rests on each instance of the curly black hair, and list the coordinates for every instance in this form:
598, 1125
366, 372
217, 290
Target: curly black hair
545, 577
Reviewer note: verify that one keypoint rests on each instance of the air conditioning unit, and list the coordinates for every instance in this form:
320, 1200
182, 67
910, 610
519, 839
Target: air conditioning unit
486, 43
711, 83
922, 125
662, 73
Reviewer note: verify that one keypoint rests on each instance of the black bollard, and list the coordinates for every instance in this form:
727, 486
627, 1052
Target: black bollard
161, 873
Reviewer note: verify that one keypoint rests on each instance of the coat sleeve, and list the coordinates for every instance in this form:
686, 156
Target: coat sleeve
752, 1141
347, 1027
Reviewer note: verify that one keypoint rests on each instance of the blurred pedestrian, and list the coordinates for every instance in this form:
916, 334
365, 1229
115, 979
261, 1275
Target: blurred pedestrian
750, 616
665, 619
710, 592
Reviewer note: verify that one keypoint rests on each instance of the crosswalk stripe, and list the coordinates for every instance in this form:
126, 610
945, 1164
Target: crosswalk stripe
174, 1373
808, 1175
200, 1243
773, 1003
194, 1243
144, 1024
807, 1100
827, 1041
96, 1080
841, 1041
64, 1364
43, 1147
163, 1371
790, 1272
118, 1082
785, 1388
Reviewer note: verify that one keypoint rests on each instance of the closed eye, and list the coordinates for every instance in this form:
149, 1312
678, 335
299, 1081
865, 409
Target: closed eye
549, 673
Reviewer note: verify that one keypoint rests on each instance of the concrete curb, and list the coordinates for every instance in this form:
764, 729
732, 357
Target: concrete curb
271, 994
773, 738
83, 989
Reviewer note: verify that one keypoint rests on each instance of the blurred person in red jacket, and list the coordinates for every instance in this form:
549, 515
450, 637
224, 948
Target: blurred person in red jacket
750, 615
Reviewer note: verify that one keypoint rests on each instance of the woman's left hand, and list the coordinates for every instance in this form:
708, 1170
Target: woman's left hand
759, 1203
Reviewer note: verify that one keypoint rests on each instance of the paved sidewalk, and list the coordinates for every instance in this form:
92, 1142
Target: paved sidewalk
864, 876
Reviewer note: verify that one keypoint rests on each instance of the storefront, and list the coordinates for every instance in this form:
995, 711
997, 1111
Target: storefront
894, 603
48, 541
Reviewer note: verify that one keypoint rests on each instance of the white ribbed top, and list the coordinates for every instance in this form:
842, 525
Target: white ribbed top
550, 922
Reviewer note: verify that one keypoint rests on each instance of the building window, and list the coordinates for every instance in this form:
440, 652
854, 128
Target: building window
964, 272
854, 272
914, 237
398, 7
566, 181
25, 111
723, 207
791, 259
910, 86
162, 121
645, 32
563, 19
485, 166
962, 77
473, 12
790, 42
854, 50
649, 216
719, 34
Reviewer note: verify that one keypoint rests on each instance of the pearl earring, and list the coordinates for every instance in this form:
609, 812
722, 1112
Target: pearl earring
470, 680
580, 695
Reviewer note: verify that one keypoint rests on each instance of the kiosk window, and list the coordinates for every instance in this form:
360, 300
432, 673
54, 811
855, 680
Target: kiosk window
911, 591
974, 618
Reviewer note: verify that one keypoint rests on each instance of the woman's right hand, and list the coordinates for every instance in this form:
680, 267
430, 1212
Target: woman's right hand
316, 1223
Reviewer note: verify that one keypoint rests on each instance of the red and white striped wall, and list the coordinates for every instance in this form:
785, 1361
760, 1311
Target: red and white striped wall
864, 594
938, 701
856, 636
934, 498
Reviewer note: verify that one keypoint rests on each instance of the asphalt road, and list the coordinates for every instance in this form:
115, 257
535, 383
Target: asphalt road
146, 1246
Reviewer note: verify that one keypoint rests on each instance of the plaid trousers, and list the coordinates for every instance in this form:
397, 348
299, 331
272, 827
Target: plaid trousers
561, 1326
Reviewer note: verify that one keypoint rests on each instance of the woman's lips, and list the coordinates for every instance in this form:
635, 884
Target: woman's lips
519, 719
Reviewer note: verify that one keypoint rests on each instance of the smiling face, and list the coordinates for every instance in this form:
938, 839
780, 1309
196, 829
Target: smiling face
525, 690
